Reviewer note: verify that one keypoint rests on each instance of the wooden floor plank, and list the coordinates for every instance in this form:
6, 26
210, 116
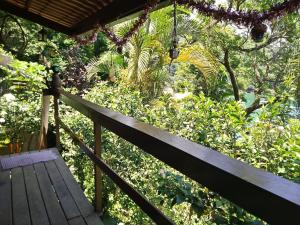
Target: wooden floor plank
21, 215
66, 200
5, 198
83, 204
53, 207
36, 204
77, 221
43, 194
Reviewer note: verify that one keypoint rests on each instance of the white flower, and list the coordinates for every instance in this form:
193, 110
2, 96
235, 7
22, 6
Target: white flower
162, 173
9, 97
280, 128
180, 96
2, 120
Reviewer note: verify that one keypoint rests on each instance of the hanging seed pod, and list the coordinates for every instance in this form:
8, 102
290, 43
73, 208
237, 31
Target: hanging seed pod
258, 32
120, 49
173, 53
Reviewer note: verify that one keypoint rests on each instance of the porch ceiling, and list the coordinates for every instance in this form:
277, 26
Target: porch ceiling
72, 16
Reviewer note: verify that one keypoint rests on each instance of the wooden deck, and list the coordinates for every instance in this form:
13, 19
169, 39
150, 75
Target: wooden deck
43, 194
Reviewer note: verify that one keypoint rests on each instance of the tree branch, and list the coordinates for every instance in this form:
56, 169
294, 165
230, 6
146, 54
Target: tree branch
231, 75
257, 105
258, 47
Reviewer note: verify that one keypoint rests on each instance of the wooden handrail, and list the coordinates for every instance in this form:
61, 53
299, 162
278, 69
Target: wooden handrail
270, 197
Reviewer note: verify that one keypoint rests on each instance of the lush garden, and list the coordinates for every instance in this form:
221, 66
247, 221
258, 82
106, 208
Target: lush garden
225, 90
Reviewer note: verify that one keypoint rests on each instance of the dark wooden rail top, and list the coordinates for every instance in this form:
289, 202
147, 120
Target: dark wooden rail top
270, 197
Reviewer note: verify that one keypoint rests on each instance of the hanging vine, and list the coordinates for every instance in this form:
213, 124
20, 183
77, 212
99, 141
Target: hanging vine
119, 41
253, 18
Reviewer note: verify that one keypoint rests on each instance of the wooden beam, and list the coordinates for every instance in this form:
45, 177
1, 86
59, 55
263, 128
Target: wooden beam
23, 13
116, 10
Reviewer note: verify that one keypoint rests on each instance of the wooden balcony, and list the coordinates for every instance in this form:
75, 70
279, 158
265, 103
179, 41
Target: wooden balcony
46, 193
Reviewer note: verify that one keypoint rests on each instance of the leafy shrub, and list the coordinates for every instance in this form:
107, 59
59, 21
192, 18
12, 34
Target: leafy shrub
21, 86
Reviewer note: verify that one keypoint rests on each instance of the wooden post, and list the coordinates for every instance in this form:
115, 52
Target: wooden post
98, 173
56, 117
42, 141
56, 84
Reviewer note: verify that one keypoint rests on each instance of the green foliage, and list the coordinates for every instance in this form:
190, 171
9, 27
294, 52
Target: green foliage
21, 86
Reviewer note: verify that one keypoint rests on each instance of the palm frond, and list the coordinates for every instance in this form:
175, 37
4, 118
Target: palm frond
200, 57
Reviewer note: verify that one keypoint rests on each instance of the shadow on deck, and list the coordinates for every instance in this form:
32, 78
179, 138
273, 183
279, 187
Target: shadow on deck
42, 194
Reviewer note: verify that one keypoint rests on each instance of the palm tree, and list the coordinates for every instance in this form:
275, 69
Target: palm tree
147, 54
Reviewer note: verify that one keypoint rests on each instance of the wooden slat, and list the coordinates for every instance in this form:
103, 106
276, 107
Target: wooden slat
77, 221
5, 198
62, 8
8, 7
64, 196
66, 6
57, 14
21, 215
36, 204
21, 12
17, 3
85, 207
83, 204
73, 16
53, 18
53, 207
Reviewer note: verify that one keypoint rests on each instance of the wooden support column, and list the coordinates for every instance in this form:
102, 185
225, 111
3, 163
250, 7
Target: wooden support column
56, 118
98, 173
56, 84
42, 141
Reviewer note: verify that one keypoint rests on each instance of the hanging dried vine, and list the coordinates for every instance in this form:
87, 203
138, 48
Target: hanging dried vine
241, 17
119, 41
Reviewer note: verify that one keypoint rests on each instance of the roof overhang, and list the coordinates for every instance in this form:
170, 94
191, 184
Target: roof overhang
74, 17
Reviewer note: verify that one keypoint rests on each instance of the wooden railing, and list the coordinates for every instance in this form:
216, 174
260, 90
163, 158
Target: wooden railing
265, 195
